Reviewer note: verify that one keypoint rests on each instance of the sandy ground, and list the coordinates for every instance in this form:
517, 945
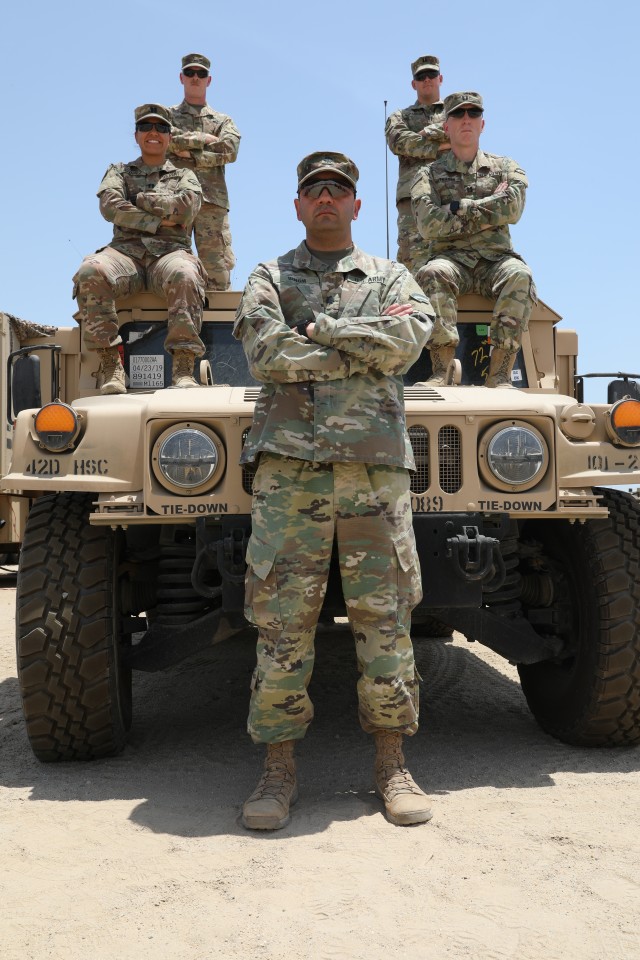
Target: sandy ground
533, 852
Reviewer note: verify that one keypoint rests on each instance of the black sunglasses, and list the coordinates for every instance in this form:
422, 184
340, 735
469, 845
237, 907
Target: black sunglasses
473, 112
192, 72
145, 125
317, 188
424, 74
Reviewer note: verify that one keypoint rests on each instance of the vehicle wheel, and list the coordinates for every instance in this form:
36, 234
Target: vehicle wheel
590, 697
431, 628
76, 690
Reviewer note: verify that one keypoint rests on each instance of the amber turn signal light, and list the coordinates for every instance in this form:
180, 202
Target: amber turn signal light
623, 423
56, 426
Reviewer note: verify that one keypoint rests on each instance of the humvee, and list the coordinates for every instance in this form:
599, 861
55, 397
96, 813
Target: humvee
133, 551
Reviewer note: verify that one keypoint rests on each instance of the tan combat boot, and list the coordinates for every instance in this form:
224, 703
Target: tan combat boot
268, 806
500, 367
111, 372
441, 357
404, 801
182, 376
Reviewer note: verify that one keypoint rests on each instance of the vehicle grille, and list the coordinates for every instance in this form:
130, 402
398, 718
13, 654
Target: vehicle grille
247, 472
419, 437
449, 459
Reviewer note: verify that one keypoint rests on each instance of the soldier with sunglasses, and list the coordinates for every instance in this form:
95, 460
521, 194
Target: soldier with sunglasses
329, 330
152, 206
417, 137
463, 204
205, 140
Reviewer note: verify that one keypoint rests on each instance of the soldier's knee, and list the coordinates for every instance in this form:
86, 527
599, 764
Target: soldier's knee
435, 274
89, 270
522, 276
518, 275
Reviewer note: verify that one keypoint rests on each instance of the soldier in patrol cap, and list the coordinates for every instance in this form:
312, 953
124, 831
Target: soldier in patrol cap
328, 331
152, 206
205, 140
463, 205
417, 137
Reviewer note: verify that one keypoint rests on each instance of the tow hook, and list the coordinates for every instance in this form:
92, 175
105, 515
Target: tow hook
231, 551
219, 566
477, 557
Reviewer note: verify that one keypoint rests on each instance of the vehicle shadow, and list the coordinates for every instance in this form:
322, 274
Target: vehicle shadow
191, 760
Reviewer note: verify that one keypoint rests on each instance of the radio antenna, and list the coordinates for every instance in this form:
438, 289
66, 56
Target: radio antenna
386, 178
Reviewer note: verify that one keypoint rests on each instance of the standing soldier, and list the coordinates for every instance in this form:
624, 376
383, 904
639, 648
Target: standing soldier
152, 206
416, 136
205, 140
329, 331
463, 204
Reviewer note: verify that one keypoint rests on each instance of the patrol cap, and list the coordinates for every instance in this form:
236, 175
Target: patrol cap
467, 98
324, 161
425, 63
196, 60
148, 110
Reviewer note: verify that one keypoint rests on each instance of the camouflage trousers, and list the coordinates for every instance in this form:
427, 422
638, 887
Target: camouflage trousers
108, 274
413, 251
298, 509
507, 281
213, 243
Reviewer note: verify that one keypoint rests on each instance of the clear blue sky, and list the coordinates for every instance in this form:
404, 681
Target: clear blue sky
560, 95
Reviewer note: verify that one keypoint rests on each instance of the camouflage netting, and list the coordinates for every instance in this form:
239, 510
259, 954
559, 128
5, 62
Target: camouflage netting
25, 330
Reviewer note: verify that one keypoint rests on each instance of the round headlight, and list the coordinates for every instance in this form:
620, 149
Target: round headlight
514, 456
56, 426
623, 422
188, 459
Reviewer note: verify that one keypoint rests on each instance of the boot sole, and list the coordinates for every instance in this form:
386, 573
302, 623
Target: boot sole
264, 823
409, 819
268, 823
406, 819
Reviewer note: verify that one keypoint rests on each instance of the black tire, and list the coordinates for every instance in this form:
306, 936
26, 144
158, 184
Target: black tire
431, 628
592, 696
76, 691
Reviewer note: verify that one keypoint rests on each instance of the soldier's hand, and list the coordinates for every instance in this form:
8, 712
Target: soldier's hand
182, 153
501, 188
397, 310
444, 146
433, 133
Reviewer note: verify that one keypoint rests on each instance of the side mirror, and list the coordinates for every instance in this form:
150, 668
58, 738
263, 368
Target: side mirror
25, 384
618, 389
23, 378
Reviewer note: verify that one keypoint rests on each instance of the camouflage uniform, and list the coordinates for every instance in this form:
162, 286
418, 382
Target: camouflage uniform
145, 255
211, 229
470, 250
414, 135
329, 433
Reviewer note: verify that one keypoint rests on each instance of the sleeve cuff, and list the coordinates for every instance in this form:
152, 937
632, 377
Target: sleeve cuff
323, 330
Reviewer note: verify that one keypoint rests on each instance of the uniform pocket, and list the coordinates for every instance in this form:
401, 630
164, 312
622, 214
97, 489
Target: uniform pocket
262, 604
261, 557
409, 577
